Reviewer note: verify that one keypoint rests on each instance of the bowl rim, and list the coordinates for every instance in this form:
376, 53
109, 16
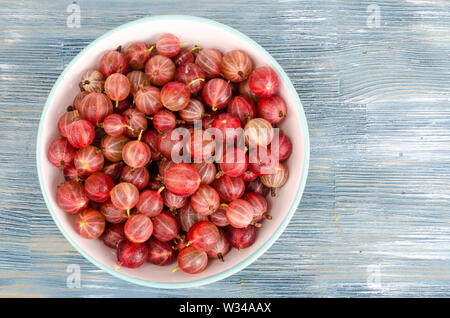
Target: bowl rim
244, 263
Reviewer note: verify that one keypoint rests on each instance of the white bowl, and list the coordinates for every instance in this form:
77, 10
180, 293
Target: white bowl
205, 33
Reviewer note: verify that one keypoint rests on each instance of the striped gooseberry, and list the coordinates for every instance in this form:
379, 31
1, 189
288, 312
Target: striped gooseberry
61, 153
71, 197
90, 223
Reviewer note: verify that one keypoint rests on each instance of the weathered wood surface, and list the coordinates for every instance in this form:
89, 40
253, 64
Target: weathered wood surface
374, 219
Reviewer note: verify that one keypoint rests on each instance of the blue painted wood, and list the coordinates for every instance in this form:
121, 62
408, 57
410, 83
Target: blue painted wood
374, 217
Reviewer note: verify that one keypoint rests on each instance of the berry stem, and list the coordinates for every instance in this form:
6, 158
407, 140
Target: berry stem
195, 80
140, 135
273, 192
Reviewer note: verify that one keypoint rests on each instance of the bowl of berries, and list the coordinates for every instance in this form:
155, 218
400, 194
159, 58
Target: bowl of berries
172, 151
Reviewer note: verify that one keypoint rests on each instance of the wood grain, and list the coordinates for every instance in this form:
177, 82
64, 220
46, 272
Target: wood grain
377, 102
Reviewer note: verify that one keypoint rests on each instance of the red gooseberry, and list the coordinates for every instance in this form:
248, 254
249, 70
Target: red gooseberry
137, 176
65, 120
263, 81
259, 204
123, 106
165, 226
221, 249
175, 96
88, 160
219, 218
191, 75
217, 93
273, 109
114, 125
97, 186
78, 99
229, 188
261, 161
202, 145
117, 87
170, 142
160, 253
191, 260
257, 186
239, 213
136, 122
182, 179
243, 108
209, 61
61, 153
258, 132
241, 238
80, 133
148, 100
193, 111
230, 128
113, 234
131, 255
112, 147
236, 66
150, 203
113, 170
150, 137
138, 80
184, 56
164, 120
284, 146
248, 176
90, 223
203, 236
207, 171
137, 54
95, 107
71, 197
71, 173
234, 163
277, 179
138, 228
92, 81
188, 217
136, 153
173, 201
124, 196
205, 200
245, 91
113, 214
113, 62
160, 69
168, 45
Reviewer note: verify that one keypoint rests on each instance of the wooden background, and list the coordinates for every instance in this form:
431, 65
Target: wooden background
375, 216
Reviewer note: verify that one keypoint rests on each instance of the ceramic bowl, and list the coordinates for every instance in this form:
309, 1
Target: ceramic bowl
205, 33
